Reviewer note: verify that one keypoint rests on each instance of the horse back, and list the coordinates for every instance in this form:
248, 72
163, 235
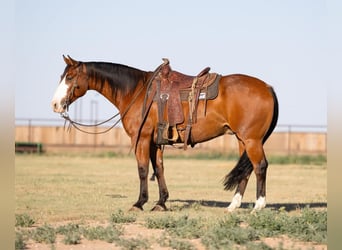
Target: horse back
245, 106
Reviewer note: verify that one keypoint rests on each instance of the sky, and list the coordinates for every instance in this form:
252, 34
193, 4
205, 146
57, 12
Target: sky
281, 42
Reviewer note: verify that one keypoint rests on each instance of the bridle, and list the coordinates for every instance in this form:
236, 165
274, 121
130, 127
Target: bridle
74, 86
77, 125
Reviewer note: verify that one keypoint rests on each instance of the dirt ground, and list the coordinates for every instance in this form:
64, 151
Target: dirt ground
134, 230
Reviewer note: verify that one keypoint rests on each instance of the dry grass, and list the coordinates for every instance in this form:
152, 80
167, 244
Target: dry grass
94, 192
69, 188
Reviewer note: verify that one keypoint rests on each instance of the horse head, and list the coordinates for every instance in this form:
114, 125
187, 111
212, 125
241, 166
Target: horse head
73, 84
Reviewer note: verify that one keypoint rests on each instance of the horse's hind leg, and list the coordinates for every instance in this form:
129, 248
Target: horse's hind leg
156, 155
257, 157
241, 187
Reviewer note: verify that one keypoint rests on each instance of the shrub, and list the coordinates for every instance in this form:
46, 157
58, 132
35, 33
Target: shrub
120, 217
268, 222
23, 220
71, 232
44, 234
19, 241
72, 238
175, 243
108, 234
309, 225
227, 232
183, 226
134, 243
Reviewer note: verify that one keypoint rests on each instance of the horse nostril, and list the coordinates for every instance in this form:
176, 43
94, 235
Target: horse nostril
54, 106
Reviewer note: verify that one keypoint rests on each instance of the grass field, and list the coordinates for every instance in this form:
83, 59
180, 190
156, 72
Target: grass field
88, 190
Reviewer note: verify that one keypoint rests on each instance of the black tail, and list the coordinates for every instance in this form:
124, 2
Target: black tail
244, 166
242, 169
275, 116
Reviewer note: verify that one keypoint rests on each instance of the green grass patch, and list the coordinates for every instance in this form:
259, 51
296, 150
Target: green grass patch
175, 243
204, 156
23, 220
71, 232
134, 243
228, 232
215, 232
44, 234
181, 226
109, 234
120, 217
319, 159
272, 159
309, 225
20, 241
298, 159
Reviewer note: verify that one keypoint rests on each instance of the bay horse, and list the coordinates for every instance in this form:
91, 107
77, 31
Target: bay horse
245, 107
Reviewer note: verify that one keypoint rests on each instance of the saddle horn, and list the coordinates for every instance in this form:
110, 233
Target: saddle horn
166, 61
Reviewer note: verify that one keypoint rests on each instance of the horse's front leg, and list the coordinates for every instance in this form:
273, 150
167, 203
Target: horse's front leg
142, 156
156, 155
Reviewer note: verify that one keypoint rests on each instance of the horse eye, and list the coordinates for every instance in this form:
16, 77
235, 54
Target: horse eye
69, 77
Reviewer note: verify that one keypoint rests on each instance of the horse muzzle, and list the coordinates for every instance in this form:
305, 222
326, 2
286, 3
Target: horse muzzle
59, 107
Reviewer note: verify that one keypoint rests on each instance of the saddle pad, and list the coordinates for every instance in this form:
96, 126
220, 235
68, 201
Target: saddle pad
207, 93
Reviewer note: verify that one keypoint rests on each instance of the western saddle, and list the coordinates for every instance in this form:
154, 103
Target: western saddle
171, 88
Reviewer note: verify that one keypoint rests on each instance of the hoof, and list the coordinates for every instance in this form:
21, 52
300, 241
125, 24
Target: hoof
158, 208
135, 209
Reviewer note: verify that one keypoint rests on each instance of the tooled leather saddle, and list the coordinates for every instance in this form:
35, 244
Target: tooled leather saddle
171, 88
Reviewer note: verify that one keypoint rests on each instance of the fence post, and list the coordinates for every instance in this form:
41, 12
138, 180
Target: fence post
29, 130
290, 133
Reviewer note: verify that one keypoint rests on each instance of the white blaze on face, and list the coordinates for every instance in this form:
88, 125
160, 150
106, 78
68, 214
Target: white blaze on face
59, 96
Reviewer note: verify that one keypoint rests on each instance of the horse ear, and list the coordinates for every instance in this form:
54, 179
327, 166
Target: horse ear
66, 60
72, 61
69, 61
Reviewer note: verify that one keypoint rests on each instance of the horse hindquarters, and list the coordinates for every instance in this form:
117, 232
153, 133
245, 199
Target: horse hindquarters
253, 117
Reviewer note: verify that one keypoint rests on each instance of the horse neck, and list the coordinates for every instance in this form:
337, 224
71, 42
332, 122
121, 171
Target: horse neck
118, 83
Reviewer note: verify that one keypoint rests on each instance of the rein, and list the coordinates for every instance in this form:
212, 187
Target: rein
77, 125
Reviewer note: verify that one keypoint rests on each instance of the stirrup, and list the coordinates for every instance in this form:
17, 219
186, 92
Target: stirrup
174, 134
170, 133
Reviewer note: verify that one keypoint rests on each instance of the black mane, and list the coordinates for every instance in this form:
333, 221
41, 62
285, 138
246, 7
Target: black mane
120, 77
